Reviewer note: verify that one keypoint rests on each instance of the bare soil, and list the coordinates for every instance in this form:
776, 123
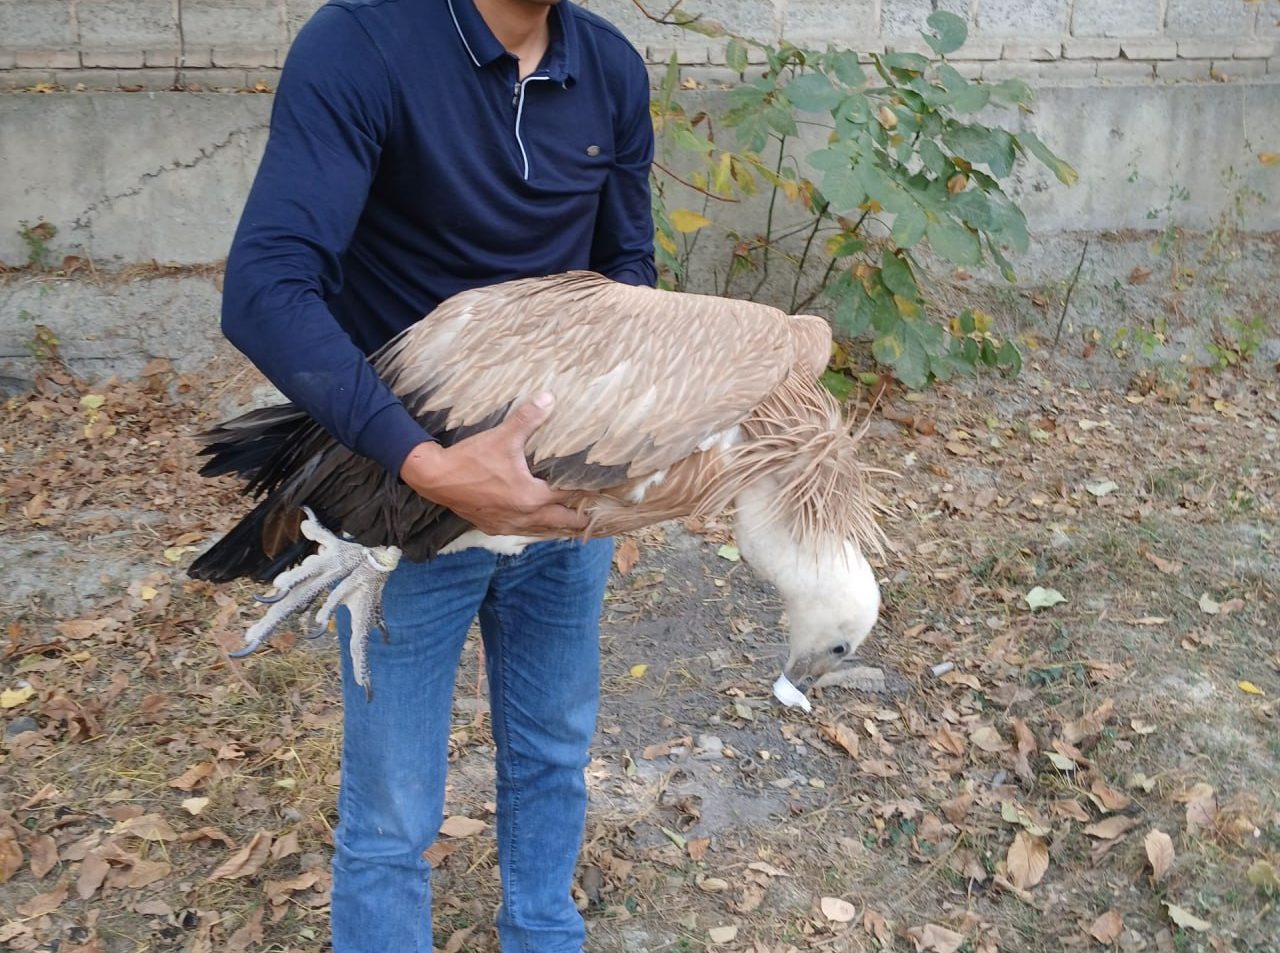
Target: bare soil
1103, 771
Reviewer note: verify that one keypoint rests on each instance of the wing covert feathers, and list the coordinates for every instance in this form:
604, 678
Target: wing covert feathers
641, 377
646, 382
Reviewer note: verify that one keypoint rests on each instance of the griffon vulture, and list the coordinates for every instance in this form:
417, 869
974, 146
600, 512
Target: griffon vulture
667, 405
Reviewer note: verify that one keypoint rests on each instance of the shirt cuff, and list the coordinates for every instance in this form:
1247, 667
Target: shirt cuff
389, 436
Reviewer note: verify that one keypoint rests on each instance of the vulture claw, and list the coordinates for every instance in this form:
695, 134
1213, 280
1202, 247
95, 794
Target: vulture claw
350, 575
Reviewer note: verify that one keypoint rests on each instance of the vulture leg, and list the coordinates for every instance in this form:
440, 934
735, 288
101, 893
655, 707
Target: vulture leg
354, 573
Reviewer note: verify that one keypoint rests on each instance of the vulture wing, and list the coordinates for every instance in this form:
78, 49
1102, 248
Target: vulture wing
642, 379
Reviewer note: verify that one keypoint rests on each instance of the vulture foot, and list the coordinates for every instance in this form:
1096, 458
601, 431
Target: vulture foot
351, 574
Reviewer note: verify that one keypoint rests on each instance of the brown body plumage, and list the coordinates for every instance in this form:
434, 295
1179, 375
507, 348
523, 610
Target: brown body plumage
667, 405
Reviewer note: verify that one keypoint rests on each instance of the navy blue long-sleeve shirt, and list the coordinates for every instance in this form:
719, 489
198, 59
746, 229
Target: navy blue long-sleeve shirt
406, 162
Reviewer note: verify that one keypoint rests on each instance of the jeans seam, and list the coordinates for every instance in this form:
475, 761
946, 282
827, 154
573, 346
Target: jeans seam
499, 613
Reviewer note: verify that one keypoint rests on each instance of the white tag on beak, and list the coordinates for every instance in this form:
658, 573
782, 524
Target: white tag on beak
789, 695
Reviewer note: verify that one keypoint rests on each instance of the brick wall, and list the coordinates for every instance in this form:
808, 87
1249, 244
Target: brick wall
237, 44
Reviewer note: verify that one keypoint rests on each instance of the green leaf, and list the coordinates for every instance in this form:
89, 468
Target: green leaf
1065, 173
853, 311
831, 159
905, 353
973, 98
848, 70
950, 32
897, 277
1012, 92
1009, 359
843, 189
813, 92
954, 242
906, 62
909, 227
979, 144
735, 54
934, 159
839, 385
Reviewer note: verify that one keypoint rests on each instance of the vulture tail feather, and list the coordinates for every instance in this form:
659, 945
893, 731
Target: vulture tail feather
245, 445
241, 552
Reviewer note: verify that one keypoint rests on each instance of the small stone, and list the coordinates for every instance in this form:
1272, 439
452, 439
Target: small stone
19, 725
817, 783
712, 748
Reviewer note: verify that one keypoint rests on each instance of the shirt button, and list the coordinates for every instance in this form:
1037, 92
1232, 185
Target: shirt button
593, 150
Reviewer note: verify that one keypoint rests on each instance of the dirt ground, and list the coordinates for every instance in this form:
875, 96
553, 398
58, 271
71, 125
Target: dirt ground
1102, 770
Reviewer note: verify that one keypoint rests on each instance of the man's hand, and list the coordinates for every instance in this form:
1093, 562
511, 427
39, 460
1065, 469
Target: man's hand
486, 481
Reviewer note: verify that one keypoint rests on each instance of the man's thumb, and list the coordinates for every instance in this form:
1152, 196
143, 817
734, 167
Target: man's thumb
531, 414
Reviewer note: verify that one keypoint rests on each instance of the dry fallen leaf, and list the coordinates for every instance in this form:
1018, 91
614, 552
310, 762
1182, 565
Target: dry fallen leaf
459, 826
626, 556
10, 854
726, 934
1159, 853
1111, 827
935, 939
842, 735
247, 861
1108, 927
44, 903
147, 827
13, 697
1202, 807
1027, 860
1186, 919
837, 910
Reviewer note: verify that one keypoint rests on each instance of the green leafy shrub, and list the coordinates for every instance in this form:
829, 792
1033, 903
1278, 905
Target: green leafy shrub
905, 163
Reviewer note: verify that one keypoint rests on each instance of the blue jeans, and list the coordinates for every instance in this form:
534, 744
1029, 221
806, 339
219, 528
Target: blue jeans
539, 616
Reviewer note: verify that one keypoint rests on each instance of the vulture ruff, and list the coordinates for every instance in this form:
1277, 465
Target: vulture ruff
667, 405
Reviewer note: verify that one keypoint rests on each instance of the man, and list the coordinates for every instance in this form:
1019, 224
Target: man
419, 148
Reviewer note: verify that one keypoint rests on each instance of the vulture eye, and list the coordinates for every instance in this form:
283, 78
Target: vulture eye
841, 649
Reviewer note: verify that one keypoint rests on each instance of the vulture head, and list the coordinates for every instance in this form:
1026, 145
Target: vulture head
668, 405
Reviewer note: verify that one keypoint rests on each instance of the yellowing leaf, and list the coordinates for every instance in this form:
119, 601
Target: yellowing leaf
1269, 158
92, 402
1263, 876
637, 671
1187, 919
685, 220
1042, 598
664, 241
1250, 689
730, 552
13, 697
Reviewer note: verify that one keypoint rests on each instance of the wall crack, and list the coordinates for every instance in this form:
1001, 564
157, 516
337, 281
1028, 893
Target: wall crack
84, 220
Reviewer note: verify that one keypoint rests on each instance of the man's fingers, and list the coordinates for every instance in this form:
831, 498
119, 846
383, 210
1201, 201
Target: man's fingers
556, 518
529, 416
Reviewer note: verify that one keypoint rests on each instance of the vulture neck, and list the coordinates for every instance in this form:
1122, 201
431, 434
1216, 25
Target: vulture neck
809, 572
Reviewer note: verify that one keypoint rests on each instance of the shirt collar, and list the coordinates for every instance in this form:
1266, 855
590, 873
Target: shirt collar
482, 47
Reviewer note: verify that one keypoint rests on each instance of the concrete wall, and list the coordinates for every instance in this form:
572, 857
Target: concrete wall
154, 44
1147, 99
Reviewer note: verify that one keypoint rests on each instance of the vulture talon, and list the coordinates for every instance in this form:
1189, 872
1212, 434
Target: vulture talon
347, 574
271, 599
